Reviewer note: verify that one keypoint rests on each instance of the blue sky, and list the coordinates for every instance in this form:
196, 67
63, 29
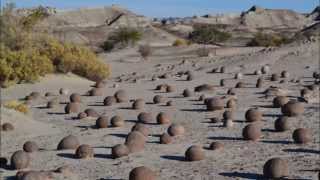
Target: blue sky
166, 8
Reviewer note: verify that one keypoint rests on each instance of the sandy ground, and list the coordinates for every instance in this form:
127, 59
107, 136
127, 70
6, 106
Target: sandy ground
239, 160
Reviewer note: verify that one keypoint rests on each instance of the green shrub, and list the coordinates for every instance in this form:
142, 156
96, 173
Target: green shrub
268, 40
108, 46
125, 36
208, 34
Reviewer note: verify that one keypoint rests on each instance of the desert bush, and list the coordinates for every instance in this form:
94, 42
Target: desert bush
67, 57
125, 36
180, 42
208, 34
27, 53
17, 106
145, 51
267, 40
25, 65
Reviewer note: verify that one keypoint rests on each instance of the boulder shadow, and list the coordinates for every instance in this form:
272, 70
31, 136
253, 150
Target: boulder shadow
276, 141
56, 113
269, 130
103, 156
272, 115
174, 158
67, 155
242, 175
302, 150
118, 135
131, 121
96, 105
226, 138
263, 106
126, 108
43, 107
194, 110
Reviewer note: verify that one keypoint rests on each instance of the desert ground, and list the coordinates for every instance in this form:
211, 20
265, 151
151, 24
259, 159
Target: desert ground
240, 159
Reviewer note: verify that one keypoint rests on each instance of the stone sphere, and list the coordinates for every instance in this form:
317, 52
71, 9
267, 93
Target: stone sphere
75, 97
165, 139
121, 96
170, 89
231, 91
141, 128
257, 72
82, 115
142, 173
304, 92
84, 151
280, 101
117, 121
91, 113
238, 76
293, 108
228, 123
190, 77
119, 151
240, 85
135, 141
232, 104
170, 103
285, 74
276, 168
64, 91
145, 117
52, 103
30, 146
228, 115
20, 160
163, 118
109, 101
7, 127
253, 115
216, 146
176, 130
187, 93
157, 99
282, 124
194, 153
215, 104
138, 104
251, 132
72, 107
265, 69
102, 122
302, 136
68, 142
